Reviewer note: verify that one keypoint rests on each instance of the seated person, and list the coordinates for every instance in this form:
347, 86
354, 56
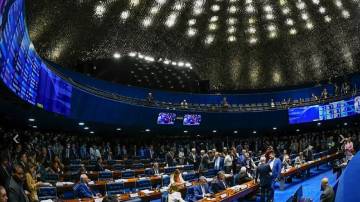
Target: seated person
156, 170
55, 168
3, 194
99, 165
82, 189
286, 163
177, 184
242, 177
299, 159
32, 184
202, 190
219, 183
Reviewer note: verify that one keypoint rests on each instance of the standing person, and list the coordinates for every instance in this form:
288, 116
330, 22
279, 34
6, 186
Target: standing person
204, 161
263, 173
275, 165
228, 160
349, 149
16, 184
327, 194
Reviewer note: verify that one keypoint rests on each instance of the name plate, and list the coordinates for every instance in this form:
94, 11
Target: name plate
134, 195
223, 195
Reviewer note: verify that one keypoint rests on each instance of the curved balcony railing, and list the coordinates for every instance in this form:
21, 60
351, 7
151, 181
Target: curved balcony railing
198, 107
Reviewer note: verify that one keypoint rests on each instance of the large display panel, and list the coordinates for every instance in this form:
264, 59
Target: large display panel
334, 110
166, 119
23, 71
192, 119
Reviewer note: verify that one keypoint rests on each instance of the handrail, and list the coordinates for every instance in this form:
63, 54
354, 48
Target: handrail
238, 108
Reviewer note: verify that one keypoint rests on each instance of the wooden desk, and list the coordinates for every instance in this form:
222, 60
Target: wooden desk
230, 194
125, 197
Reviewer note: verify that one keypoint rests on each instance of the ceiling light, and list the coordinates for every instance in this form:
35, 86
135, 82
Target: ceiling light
92, 132
34, 126
214, 131
81, 123
31, 119
86, 128
117, 55
147, 130
125, 15
254, 132
118, 129
235, 132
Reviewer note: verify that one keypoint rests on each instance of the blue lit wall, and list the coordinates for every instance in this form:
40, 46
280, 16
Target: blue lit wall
25, 74
22, 70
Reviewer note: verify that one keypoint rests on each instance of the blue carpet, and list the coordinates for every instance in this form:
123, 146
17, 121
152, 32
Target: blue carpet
311, 185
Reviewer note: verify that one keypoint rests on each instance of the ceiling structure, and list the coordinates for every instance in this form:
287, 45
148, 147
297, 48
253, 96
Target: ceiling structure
236, 44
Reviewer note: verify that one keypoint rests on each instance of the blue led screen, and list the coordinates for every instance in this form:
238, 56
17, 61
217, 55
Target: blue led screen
166, 118
23, 71
192, 119
334, 110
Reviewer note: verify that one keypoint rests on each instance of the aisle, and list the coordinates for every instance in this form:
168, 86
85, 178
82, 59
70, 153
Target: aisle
311, 186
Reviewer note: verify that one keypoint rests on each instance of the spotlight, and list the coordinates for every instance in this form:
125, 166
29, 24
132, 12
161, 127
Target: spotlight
254, 132
214, 131
274, 128
92, 132
147, 130
235, 132
81, 123
185, 131
118, 129
31, 119
297, 130
86, 128
117, 55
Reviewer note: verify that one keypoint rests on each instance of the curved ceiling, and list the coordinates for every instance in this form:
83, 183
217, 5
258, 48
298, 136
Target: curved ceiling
236, 44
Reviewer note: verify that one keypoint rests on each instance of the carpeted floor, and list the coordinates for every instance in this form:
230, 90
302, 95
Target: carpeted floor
311, 185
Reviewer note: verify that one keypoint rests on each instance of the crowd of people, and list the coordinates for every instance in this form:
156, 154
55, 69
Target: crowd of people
38, 153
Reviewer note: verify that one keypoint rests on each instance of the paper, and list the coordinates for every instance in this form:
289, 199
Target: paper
134, 195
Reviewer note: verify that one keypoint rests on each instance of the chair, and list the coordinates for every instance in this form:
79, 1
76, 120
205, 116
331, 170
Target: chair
142, 184
74, 167
118, 167
169, 170
149, 172
138, 165
188, 176
127, 174
49, 177
165, 180
115, 188
75, 162
210, 172
188, 167
111, 162
46, 193
105, 175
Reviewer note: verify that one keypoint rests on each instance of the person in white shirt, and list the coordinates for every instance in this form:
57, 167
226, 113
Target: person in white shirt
228, 163
177, 183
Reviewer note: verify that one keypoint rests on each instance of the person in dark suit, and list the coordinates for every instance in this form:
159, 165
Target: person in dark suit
99, 165
263, 173
204, 161
193, 158
5, 173
82, 189
219, 183
16, 184
156, 170
169, 158
202, 190
327, 194
276, 166
242, 177
3, 194
218, 162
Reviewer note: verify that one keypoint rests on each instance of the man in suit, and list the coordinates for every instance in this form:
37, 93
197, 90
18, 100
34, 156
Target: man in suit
204, 161
263, 173
3, 195
327, 194
16, 184
202, 190
156, 170
242, 177
219, 183
276, 166
169, 158
218, 162
99, 165
82, 189
5, 173
193, 158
